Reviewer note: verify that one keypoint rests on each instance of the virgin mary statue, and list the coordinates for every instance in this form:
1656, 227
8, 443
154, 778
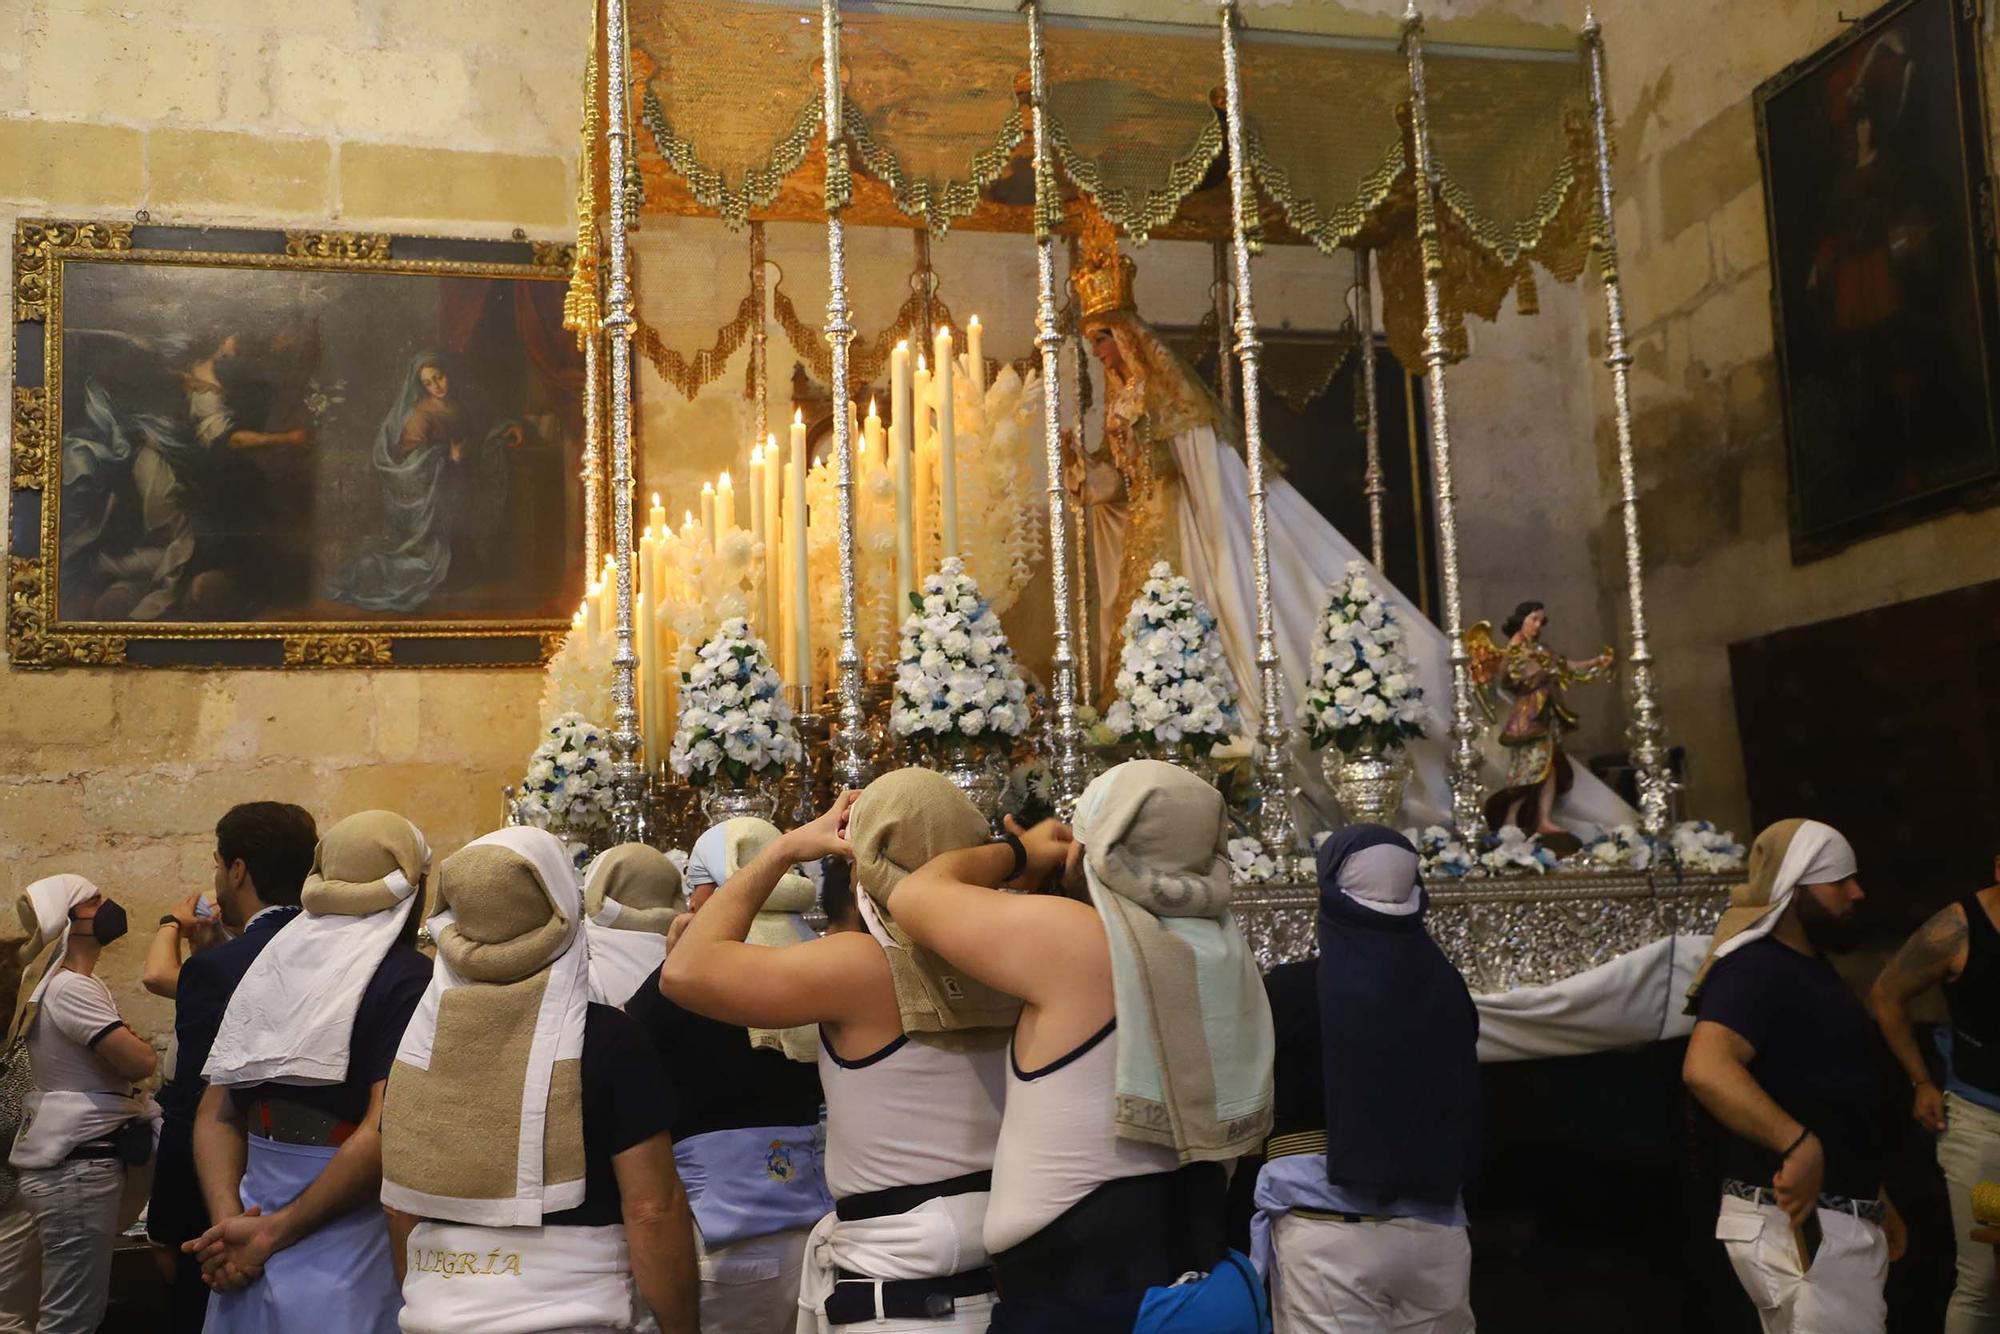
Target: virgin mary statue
443, 488
1171, 484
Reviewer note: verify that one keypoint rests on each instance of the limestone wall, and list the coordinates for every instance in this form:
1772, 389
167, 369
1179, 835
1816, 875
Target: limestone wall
1691, 228
448, 117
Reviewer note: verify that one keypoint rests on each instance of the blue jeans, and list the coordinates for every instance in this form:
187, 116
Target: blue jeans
75, 1205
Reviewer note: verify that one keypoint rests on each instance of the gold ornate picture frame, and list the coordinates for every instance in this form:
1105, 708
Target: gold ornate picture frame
237, 448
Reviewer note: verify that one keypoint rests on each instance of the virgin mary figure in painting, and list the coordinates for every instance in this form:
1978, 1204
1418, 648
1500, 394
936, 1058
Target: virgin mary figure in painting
1535, 678
444, 486
1171, 484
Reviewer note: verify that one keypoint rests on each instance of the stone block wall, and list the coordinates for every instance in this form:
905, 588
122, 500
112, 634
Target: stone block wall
445, 117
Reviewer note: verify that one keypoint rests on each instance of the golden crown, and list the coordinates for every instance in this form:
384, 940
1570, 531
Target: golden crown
1102, 277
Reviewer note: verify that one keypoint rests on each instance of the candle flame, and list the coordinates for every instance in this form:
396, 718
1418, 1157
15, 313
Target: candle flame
972, 323
708, 488
798, 416
903, 345
756, 456
656, 498
771, 444
920, 361
871, 406
687, 517
725, 477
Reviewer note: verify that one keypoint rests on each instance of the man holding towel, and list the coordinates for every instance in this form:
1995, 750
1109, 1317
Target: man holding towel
85, 1122
263, 853
288, 1138
1141, 1062
525, 1160
744, 1117
1360, 1220
1788, 1059
912, 1092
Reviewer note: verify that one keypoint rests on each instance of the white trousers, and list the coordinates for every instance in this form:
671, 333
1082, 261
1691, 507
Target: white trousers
20, 1269
1840, 1294
1397, 1277
1969, 1152
972, 1314
751, 1286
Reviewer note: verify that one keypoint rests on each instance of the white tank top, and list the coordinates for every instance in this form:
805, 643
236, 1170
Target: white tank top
1058, 1141
909, 1115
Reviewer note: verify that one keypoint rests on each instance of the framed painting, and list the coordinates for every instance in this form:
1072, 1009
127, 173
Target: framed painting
267, 449
1879, 204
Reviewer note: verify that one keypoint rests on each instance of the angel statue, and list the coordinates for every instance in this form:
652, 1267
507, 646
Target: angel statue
1535, 677
1169, 483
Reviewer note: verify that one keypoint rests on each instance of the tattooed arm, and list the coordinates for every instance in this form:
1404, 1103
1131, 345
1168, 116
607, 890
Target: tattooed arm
1935, 953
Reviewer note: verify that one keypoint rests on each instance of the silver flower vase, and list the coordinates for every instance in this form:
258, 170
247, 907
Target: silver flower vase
979, 771
726, 799
1369, 780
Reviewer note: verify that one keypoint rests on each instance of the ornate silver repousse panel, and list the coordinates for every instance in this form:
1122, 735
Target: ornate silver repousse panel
1505, 934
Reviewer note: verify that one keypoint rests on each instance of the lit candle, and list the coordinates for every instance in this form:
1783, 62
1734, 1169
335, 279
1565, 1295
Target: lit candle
656, 518
947, 451
871, 440
795, 535
757, 534
708, 514
773, 570
593, 611
725, 507
975, 357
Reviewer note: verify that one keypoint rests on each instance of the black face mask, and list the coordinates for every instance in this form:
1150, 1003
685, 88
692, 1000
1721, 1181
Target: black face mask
109, 923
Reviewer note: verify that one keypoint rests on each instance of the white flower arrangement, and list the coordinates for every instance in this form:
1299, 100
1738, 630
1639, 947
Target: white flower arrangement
956, 680
577, 681
1249, 864
1441, 853
1174, 687
1511, 852
1700, 847
1618, 848
733, 719
568, 782
1363, 687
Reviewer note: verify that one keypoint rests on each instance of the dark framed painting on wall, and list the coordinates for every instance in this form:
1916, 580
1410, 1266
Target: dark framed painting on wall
268, 449
1879, 205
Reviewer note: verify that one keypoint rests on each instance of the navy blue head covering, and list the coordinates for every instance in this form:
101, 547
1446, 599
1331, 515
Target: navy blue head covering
1400, 1044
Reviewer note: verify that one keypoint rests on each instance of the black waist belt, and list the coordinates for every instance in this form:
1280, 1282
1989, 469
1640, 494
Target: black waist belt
901, 1199
1125, 1236
290, 1122
94, 1150
855, 1298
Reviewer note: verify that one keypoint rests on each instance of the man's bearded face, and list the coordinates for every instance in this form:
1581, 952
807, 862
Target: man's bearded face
1826, 914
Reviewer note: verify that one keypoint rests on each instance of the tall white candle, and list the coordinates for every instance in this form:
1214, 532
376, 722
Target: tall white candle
871, 441
593, 604
708, 514
795, 534
757, 533
725, 507
656, 518
901, 415
649, 657
975, 357
773, 569
947, 450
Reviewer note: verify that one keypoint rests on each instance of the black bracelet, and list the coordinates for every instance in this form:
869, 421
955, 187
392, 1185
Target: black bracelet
168, 919
1020, 854
1804, 1135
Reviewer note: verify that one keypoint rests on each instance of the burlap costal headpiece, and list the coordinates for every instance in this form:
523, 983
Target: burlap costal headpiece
492, 1059
901, 821
1784, 856
1195, 1042
633, 887
367, 863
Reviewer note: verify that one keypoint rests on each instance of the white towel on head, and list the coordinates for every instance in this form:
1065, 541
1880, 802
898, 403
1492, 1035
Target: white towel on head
1819, 854
619, 960
708, 860
48, 902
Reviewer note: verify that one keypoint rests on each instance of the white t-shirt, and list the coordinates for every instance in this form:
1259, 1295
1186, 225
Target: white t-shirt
78, 1096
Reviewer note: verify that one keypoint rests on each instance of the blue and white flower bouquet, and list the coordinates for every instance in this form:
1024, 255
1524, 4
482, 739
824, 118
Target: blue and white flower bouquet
1173, 683
734, 720
568, 782
956, 679
1362, 687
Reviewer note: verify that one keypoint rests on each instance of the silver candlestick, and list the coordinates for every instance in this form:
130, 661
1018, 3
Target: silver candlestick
1066, 736
1647, 734
1274, 777
1371, 409
1463, 774
618, 325
851, 744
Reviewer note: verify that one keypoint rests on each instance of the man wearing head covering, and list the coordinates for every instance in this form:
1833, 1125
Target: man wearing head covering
288, 1138
84, 1119
747, 1137
912, 1115
1788, 1060
525, 1160
1141, 1061
631, 896
1360, 1218
263, 853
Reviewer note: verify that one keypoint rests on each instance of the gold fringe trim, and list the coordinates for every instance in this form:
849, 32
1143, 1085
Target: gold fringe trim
1138, 218
689, 374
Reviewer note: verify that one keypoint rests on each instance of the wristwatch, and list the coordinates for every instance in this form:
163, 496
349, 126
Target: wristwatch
168, 919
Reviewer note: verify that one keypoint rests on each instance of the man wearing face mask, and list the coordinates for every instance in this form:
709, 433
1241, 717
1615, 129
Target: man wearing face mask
85, 1121
1789, 1061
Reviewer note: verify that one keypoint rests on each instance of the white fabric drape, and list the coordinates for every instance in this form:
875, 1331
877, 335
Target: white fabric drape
1634, 998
